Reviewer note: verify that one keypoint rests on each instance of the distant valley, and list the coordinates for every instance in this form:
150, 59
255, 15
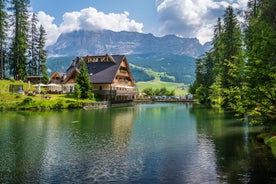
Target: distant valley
170, 56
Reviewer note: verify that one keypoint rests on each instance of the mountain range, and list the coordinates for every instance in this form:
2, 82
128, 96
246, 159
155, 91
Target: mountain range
171, 55
81, 43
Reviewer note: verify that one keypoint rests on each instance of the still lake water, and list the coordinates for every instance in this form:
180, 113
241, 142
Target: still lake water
146, 143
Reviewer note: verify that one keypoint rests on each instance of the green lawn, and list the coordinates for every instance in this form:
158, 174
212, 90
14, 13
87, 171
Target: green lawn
178, 87
23, 101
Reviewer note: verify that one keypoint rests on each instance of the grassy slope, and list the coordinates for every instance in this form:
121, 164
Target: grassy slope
156, 83
150, 72
159, 84
5, 96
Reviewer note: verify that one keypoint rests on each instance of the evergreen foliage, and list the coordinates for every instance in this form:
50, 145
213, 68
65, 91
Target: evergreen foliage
42, 54
237, 76
32, 65
229, 61
19, 43
260, 71
219, 72
25, 54
140, 75
3, 37
77, 92
83, 81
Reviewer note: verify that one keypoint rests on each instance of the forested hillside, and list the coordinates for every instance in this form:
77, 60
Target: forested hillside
179, 66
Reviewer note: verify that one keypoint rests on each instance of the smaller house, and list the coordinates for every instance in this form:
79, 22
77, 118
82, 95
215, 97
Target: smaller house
110, 77
34, 79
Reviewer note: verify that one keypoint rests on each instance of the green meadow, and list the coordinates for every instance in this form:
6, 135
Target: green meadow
179, 88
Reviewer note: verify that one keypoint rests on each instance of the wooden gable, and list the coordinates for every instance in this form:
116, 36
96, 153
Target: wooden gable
123, 75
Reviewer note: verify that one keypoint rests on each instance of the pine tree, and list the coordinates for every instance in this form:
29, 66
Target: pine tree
204, 77
42, 55
229, 60
19, 45
206, 69
83, 81
232, 48
217, 46
33, 47
3, 36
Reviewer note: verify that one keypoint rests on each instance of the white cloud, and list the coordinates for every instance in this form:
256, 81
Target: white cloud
193, 18
205, 34
51, 29
87, 19
91, 19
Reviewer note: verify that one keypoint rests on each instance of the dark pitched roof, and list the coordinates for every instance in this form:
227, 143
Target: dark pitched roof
101, 71
104, 72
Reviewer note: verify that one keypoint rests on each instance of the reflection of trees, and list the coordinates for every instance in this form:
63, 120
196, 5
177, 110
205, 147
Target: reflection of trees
23, 136
234, 143
37, 146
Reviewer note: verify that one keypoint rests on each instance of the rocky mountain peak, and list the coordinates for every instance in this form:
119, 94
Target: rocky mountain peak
80, 43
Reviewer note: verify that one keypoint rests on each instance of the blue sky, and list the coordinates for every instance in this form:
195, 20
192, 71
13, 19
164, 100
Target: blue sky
186, 18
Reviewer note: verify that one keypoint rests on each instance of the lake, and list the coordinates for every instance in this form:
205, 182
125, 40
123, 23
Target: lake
145, 143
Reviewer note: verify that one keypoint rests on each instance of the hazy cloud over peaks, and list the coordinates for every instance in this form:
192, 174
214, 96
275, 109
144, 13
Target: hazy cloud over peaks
88, 19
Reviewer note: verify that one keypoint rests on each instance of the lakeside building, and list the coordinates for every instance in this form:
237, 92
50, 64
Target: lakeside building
109, 75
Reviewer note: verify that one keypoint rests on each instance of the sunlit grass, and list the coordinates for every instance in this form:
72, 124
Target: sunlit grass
39, 101
180, 88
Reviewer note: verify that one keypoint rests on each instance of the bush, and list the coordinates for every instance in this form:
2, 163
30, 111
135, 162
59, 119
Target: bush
27, 101
59, 105
75, 105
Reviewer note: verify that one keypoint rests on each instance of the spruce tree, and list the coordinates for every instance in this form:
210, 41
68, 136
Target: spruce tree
42, 55
3, 37
83, 81
207, 69
33, 47
19, 43
232, 48
204, 77
230, 60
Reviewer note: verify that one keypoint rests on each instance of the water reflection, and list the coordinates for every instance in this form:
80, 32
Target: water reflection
234, 146
148, 143
171, 151
64, 146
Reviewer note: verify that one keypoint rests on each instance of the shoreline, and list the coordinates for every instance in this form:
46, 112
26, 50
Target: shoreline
268, 139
